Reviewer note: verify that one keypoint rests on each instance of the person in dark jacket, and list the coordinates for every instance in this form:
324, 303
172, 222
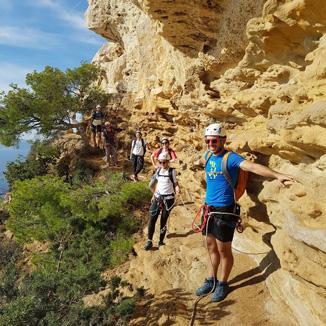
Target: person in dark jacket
109, 135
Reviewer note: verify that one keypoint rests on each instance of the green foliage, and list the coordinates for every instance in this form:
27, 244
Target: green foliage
36, 212
22, 170
46, 208
43, 150
83, 173
10, 252
130, 195
119, 250
37, 163
83, 236
50, 99
25, 310
135, 194
126, 308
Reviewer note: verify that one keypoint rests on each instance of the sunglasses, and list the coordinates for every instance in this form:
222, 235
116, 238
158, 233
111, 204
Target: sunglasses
212, 141
162, 162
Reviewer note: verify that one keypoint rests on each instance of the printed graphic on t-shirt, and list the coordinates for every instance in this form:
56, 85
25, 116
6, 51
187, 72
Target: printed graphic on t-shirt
212, 173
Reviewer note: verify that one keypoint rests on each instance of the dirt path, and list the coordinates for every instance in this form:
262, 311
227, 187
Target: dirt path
172, 273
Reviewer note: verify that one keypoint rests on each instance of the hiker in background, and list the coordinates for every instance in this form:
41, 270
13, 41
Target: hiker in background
220, 200
137, 153
96, 125
109, 135
164, 186
165, 148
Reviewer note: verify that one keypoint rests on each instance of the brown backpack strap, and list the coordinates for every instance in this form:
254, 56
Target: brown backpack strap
225, 169
208, 155
227, 174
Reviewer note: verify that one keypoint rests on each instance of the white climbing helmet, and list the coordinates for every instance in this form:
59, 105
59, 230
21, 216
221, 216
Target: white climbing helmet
164, 156
98, 106
215, 129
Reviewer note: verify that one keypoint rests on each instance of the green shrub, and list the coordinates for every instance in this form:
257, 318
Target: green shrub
82, 203
128, 225
43, 150
25, 310
41, 156
10, 251
36, 212
8, 278
135, 194
87, 229
126, 308
83, 173
120, 249
22, 170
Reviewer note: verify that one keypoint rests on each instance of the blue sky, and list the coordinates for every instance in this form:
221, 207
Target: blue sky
36, 33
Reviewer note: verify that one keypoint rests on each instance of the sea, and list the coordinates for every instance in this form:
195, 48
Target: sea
9, 154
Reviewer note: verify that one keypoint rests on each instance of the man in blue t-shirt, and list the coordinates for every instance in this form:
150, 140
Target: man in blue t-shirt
220, 200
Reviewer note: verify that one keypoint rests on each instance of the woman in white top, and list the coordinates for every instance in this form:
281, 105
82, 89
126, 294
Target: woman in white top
137, 153
163, 199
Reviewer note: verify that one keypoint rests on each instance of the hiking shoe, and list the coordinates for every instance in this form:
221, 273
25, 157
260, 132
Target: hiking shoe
207, 287
161, 243
148, 245
220, 293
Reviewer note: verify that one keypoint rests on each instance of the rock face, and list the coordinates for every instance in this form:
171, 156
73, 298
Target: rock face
260, 67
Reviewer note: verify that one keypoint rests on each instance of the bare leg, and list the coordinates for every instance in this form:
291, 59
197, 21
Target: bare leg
94, 139
214, 256
107, 154
99, 139
225, 252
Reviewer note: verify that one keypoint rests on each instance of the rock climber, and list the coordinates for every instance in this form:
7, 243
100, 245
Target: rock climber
109, 135
96, 125
165, 148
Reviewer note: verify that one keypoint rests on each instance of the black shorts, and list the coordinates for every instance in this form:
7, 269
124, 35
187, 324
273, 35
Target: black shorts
221, 226
96, 129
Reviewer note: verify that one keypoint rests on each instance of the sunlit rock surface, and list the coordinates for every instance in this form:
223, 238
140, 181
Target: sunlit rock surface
174, 66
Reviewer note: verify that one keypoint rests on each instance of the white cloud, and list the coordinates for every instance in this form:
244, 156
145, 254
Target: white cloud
12, 73
27, 38
72, 17
75, 19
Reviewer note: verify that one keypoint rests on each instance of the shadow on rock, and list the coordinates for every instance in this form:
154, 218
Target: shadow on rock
209, 313
269, 264
180, 235
164, 308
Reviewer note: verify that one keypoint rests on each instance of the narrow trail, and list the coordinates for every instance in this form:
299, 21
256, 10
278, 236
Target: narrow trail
171, 274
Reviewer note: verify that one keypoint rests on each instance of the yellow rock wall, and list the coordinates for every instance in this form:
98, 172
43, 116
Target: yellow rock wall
174, 66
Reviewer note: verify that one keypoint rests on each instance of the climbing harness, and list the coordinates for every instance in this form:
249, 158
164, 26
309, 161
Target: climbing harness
204, 212
162, 203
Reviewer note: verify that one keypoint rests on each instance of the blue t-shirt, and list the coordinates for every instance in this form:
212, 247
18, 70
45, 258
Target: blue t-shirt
218, 190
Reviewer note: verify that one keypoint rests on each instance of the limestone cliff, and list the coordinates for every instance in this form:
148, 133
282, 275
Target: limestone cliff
260, 67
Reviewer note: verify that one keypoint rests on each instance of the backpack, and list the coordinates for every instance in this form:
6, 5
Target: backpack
240, 186
153, 181
109, 135
142, 142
